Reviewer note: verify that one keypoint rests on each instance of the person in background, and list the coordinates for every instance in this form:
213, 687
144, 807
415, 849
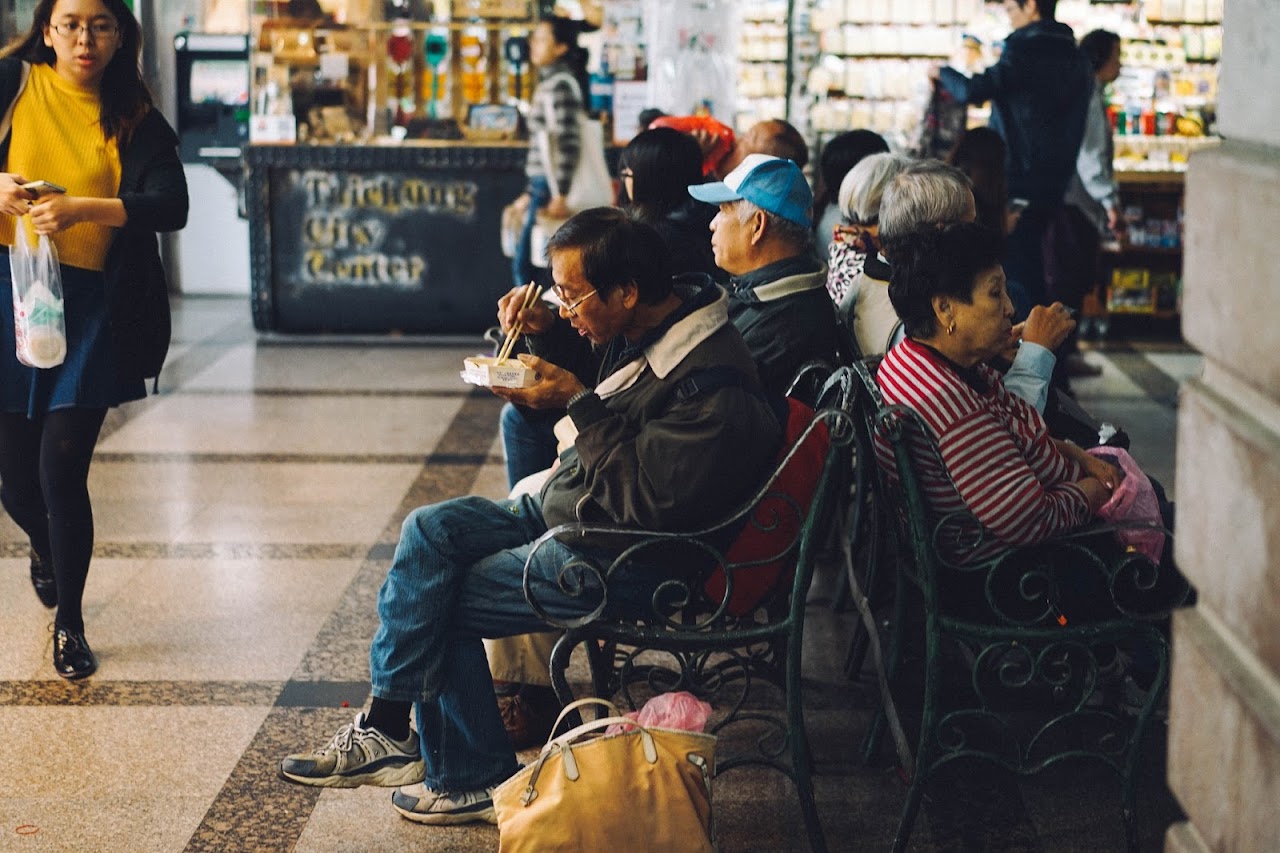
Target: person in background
841, 153
1092, 210
980, 153
1039, 93
82, 119
774, 137
763, 237
557, 102
459, 571
656, 167
858, 274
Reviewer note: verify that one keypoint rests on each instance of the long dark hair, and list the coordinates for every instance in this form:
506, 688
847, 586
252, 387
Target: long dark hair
664, 162
566, 31
123, 95
841, 153
980, 153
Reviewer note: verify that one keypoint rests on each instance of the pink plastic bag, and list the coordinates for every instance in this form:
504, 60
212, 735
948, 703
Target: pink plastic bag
680, 710
1133, 500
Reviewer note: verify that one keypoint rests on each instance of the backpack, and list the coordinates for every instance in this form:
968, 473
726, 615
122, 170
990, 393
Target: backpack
770, 532
773, 528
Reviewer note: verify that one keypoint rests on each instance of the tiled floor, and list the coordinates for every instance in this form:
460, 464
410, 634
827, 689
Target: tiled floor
245, 517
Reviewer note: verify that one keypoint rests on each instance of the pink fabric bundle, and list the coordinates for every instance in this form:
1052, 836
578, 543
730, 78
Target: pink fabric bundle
1133, 500
680, 710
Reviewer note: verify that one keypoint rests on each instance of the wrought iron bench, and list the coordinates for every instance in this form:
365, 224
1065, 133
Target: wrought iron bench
701, 632
1030, 694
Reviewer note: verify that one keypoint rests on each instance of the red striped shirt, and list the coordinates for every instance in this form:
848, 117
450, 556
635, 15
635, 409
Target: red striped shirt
999, 461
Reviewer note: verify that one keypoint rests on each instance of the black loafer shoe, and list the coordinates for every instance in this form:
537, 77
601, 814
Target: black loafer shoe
72, 657
43, 581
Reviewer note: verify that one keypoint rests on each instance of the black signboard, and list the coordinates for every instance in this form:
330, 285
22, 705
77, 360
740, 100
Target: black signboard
380, 240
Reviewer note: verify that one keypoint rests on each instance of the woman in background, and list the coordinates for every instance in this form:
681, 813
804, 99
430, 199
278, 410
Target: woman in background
657, 167
841, 153
555, 142
82, 118
858, 275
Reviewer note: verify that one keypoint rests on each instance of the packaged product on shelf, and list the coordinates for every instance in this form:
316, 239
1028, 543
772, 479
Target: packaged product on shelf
1130, 290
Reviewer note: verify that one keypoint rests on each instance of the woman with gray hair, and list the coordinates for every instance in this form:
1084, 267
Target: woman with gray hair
858, 277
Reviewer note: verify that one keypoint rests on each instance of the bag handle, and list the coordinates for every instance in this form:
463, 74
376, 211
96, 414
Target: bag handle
582, 703
564, 745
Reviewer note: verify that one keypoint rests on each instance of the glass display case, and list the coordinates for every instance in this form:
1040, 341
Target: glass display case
396, 71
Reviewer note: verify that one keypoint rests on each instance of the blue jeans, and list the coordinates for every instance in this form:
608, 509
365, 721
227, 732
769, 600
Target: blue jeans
529, 440
457, 577
522, 269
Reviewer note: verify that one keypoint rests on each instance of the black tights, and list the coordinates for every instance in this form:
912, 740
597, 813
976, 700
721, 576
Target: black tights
44, 486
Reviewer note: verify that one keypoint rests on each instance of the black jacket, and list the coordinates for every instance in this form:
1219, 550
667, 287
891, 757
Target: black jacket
786, 317
153, 188
1039, 93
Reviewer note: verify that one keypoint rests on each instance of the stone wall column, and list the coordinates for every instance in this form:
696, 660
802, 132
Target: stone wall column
1224, 722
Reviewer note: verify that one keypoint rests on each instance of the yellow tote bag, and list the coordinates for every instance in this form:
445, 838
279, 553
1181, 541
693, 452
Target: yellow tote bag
640, 790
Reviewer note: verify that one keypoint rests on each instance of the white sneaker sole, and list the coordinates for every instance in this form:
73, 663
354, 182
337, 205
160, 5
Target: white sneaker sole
487, 815
383, 777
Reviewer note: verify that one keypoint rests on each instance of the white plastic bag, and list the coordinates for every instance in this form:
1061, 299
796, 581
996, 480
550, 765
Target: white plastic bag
38, 323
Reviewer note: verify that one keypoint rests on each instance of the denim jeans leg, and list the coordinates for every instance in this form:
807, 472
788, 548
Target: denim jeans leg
438, 545
522, 268
529, 442
464, 744
457, 576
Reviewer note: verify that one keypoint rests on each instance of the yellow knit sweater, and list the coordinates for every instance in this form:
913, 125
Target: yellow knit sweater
57, 138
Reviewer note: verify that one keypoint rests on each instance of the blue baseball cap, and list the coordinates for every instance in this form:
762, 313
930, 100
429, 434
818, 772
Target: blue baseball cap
770, 183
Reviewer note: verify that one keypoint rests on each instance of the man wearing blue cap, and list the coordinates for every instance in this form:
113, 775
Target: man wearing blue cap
763, 238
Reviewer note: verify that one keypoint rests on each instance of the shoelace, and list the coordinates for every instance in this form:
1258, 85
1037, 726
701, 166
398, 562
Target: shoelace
342, 740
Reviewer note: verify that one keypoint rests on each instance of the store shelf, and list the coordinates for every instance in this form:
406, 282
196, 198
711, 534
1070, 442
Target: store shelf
1173, 178
886, 55
1134, 249
1162, 22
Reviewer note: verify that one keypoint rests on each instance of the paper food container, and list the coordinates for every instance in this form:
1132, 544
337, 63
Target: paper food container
488, 371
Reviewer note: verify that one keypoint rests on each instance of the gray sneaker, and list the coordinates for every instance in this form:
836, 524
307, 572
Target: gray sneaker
420, 804
357, 756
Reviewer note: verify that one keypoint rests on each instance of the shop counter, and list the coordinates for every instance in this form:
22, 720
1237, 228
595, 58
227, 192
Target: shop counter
379, 239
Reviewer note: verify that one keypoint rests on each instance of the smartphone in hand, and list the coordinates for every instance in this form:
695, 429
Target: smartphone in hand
42, 188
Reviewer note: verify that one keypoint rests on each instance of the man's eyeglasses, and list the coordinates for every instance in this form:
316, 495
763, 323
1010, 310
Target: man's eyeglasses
626, 173
97, 30
571, 308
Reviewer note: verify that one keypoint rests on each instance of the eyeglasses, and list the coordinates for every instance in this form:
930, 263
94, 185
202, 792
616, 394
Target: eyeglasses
571, 308
97, 30
626, 173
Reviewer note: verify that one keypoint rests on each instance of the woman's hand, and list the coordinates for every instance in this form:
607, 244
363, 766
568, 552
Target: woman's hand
1109, 475
14, 200
1096, 492
537, 318
554, 388
56, 212
557, 208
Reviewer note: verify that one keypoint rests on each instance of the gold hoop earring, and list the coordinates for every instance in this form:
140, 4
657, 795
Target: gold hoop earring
951, 330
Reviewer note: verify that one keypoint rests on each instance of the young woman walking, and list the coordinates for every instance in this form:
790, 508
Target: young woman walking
81, 118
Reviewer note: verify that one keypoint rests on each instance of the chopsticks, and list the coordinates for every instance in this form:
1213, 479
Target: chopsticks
531, 296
